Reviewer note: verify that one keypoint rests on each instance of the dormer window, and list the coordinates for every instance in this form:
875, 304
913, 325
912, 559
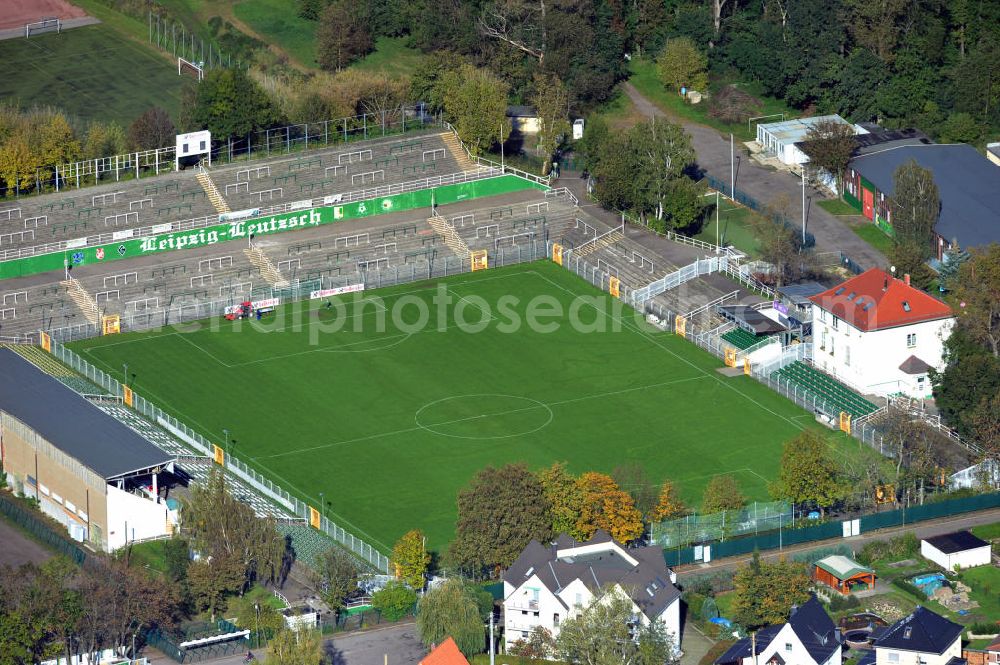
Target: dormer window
907, 632
906, 306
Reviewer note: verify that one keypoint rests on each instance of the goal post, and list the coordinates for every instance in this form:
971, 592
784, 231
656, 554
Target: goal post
42, 25
190, 68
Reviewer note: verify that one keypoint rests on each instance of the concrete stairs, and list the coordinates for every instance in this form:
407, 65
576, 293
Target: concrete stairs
449, 235
266, 268
212, 192
457, 150
83, 300
605, 240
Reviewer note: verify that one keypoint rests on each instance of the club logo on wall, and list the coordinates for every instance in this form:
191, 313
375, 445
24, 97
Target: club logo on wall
100, 253
386, 204
121, 250
77, 258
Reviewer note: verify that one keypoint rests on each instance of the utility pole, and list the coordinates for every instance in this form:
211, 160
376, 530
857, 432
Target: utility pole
492, 643
803, 205
732, 169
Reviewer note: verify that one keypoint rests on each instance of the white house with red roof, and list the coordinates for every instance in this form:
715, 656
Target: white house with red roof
880, 335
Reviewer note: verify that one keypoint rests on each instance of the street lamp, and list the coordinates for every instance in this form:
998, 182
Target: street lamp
125, 371
226, 433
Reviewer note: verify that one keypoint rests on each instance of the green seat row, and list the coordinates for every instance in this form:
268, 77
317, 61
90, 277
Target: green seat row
740, 338
815, 381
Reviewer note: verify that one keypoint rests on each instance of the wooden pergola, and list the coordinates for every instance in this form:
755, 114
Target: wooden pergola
843, 573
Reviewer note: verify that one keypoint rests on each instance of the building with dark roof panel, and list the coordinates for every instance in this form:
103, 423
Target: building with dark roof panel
880, 335
809, 637
549, 583
960, 549
88, 471
923, 637
967, 183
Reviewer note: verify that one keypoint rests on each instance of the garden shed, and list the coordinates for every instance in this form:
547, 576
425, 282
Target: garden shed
843, 573
959, 549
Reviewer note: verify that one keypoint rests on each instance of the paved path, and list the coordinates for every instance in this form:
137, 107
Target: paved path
694, 643
17, 549
831, 233
920, 529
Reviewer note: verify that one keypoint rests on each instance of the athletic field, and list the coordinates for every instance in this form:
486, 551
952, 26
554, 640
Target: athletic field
91, 73
389, 420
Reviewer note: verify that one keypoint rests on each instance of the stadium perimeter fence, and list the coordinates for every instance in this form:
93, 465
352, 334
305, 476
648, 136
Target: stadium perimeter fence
268, 489
255, 145
28, 520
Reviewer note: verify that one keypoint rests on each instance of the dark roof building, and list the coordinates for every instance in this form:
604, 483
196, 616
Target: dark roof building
71, 423
967, 183
817, 636
922, 631
959, 541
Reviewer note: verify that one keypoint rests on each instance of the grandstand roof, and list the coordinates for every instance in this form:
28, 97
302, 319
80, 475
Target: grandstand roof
875, 300
71, 423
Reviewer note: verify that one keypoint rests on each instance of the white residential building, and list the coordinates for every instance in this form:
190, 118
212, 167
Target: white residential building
880, 335
808, 638
550, 583
922, 638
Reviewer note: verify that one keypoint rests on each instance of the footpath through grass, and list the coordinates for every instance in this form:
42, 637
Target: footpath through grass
390, 414
92, 73
646, 80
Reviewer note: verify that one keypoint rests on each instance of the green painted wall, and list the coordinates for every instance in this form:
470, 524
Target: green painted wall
241, 230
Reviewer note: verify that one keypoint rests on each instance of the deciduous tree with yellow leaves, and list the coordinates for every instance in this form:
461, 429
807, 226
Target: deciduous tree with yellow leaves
606, 506
410, 559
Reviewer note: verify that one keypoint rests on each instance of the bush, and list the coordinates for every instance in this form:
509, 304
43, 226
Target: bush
733, 105
812, 556
694, 601
897, 548
841, 603
709, 610
984, 628
711, 584
394, 601
910, 589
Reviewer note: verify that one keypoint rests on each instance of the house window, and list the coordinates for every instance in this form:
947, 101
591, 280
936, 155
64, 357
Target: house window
788, 646
835, 322
579, 600
911, 340
822, 315
555, 619
847, 356
832, 339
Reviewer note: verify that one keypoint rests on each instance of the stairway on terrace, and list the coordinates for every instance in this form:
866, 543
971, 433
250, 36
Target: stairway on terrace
606, 240
86, 304
267, 269
212, 192
449, 235
457, 150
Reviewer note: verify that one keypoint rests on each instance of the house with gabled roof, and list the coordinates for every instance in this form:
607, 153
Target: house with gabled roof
551, 583
880, 335
809, 637
922, 638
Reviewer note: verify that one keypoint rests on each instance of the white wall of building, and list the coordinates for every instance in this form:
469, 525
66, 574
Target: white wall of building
885, 656
979, 556
869, 361
789, 647
530, 605
132, 517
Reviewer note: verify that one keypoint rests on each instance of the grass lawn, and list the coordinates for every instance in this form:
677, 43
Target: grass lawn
646, 79
837, 207
278, 22
985, 584
734, 229
874, 236
392, 55
150, 555
93, 72
987, 531
390, 420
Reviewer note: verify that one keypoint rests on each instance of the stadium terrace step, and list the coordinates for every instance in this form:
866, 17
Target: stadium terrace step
83, 300
449, 235
457, 150
267, 269
212, 191
606, 240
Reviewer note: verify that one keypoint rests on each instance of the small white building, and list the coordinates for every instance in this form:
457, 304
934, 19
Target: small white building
880, 335
961, 549
808, 638
778, 139
922, 638
523, 119
550, 583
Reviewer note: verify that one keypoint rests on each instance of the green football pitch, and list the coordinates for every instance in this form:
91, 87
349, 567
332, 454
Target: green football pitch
389, 420
91, 73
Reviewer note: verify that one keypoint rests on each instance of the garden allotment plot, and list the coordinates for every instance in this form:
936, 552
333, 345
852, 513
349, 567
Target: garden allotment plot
390, 422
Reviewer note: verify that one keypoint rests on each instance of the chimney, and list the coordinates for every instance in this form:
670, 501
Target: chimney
906, 279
